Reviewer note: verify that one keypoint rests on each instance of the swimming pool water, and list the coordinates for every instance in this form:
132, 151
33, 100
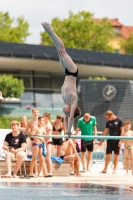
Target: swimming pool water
62, 191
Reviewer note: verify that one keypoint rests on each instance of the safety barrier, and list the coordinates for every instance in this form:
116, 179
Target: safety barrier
87, 137
99, 151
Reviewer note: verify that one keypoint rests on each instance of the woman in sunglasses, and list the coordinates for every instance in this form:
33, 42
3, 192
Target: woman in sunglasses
58, 127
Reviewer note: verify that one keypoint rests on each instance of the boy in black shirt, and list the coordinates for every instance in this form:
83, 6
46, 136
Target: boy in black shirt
15, 144
115, 127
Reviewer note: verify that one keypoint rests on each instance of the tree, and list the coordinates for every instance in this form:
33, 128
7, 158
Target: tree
11, 86
81, 31
11, 33
128, 44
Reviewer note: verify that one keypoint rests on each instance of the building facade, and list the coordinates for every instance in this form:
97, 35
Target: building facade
40, 69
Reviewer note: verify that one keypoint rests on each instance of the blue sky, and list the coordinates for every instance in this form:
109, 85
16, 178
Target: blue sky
37, 11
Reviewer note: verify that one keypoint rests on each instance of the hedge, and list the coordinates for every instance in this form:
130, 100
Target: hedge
5, 121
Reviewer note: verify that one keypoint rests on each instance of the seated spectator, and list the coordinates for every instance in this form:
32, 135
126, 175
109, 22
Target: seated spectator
58, 127
37, 147
15, 146
69, 153
78, 151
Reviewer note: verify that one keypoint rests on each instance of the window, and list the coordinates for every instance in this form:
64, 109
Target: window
27, 96
41, 82
57, 82
57, 98
117, 30
27, 81
117, 50
41, 97
11, 105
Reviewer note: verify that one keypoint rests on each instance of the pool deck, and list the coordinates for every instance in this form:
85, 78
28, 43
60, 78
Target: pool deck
120, 179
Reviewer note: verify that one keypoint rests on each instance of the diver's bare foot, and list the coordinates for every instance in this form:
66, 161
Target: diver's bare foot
47, 26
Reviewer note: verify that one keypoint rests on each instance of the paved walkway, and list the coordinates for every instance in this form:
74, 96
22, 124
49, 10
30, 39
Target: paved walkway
120, 179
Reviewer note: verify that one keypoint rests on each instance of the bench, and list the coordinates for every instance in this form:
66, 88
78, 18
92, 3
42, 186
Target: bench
63, 169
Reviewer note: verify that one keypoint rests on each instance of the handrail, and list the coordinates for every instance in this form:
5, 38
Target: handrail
87, 137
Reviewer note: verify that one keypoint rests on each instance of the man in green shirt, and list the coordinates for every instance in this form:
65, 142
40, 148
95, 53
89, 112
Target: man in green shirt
87, 126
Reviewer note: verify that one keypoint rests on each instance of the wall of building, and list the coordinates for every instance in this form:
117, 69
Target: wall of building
115, 43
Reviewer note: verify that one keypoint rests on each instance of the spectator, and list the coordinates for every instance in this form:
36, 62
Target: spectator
69, 153
114, 126
87, 125
58, 127
37, 147
128, 146
15, 146
23, 123
48, 141
30, 125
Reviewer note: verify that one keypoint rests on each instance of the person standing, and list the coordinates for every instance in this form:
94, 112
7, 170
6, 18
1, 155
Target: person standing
37, 147
58, 127
87, 125
48, 141
30, 125
23, 123
114, 126
128, 146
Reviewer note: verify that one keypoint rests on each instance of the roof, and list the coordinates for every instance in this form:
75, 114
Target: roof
124, 30
115, 22
17, 50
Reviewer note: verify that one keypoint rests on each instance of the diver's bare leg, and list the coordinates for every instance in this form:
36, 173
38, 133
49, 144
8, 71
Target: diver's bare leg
65, 59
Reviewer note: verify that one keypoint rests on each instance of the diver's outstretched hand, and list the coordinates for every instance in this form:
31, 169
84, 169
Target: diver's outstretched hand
69, 134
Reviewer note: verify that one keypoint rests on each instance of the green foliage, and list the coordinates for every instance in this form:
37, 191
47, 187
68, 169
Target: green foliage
5, 121
81, 31
97, 78
10, 86
128, 44
11, 33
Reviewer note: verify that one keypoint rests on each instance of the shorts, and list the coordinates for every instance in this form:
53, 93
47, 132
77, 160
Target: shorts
37, 144
112, 146
57, 142
86, 145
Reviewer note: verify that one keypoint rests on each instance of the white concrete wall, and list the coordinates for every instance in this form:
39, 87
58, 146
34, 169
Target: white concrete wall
3, 133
